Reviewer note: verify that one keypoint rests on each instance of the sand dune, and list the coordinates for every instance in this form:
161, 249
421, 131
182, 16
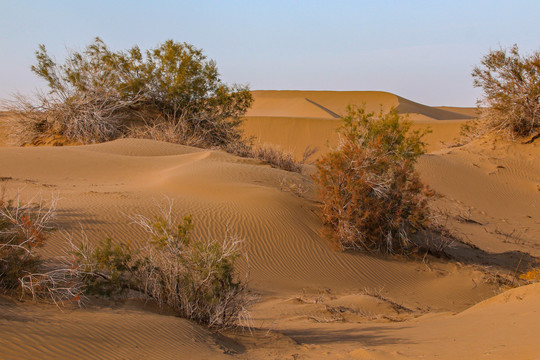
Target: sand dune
333, 104
315, 302
100, 185
503, 327
298, 119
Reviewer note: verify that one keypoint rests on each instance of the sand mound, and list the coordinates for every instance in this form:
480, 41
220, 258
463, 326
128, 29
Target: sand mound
40, 332
491, 191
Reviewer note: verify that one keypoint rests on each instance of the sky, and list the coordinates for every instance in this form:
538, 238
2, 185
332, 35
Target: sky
421, 50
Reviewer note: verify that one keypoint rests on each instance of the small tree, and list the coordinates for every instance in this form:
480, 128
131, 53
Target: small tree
511, 85
97, 93
372, 197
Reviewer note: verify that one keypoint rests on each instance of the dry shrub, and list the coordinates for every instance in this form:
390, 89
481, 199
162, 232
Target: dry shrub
59, 283
23, 229
91, 117
511, 85
277, 158
194, 277
372, 197
271, 155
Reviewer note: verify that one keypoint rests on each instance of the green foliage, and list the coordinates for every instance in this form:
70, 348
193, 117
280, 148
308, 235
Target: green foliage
372, 197
172, 86
166, 234
106, 269
511, 85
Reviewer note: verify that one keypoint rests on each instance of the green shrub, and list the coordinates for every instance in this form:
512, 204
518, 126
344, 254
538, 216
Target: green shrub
98, 94
106, 269
195, 277
372, 197
511, 85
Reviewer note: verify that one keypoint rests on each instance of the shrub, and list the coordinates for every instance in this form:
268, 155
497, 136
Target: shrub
105, 269
194, 277
372, 197
511, 85
23, 229
273, 156
98, 95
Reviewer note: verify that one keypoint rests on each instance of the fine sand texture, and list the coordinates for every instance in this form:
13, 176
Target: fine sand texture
313, 302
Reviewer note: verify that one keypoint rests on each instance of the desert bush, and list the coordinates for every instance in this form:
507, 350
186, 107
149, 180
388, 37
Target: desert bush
98, 94
194, 277
277, 158
511, 85
271, 155
105, 268
23, 228
372, 198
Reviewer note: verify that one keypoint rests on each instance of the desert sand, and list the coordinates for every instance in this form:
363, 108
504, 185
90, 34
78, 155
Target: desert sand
313, 302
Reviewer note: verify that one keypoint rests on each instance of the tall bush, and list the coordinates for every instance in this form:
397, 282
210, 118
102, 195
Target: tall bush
97, 93
372, 197
511, 85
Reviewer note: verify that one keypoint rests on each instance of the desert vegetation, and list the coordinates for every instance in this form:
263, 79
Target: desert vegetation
171, 92
24, 228
194, 277
511, 101
372, 197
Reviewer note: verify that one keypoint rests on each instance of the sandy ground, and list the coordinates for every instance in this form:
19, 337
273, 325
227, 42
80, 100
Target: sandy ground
314, 302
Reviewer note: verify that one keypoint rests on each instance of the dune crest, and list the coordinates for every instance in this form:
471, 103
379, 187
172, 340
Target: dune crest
295, 120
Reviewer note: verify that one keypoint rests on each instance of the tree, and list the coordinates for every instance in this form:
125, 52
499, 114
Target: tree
98, 93
511, 85
372, 197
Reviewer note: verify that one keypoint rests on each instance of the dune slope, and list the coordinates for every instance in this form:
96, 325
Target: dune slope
315, 302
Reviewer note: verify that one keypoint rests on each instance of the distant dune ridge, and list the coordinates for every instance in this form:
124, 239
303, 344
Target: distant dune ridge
333, 104
297, 119
315, 302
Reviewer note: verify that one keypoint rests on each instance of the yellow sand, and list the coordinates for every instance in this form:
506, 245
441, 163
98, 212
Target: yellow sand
315, 302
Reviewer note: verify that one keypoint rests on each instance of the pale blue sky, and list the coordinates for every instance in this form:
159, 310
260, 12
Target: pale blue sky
421, 50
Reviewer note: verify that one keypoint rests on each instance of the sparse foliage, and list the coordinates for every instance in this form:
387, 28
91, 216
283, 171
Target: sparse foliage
511, 85
23, 228
194, 277
372, 197
531, 276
